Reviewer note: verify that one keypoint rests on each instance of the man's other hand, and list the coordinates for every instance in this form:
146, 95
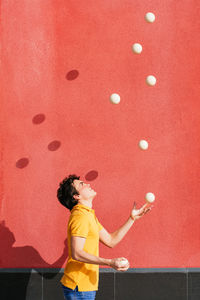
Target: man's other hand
116, 263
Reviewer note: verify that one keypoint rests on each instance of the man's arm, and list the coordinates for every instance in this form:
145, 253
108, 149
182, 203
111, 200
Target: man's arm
77, 245
112, 239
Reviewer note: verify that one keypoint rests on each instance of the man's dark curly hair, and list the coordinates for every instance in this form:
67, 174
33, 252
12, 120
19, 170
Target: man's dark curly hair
66, 192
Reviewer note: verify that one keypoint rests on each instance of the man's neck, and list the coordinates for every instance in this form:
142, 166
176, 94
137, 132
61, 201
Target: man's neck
86, 203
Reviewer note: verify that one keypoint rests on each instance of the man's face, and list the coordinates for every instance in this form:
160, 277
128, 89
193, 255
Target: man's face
84, 190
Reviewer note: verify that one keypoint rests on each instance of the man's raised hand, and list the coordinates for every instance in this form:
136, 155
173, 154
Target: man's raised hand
138, 213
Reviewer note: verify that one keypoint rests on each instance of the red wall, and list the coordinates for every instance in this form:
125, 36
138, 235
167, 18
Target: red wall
56, 122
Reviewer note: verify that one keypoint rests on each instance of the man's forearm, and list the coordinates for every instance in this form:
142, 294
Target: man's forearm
118, 235
85, 257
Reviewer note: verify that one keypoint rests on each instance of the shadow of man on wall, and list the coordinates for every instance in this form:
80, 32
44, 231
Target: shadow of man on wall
13, 283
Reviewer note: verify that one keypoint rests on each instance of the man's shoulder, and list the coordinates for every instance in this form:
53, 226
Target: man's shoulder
78, 214
78, 218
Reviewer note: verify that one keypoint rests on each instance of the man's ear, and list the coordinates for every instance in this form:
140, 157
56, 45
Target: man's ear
76, 197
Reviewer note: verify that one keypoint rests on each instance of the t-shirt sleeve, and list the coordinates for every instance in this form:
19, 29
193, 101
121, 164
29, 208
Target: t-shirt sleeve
79, 226
99, 225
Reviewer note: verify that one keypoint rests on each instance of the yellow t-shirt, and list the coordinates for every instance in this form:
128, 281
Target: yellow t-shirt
83, 223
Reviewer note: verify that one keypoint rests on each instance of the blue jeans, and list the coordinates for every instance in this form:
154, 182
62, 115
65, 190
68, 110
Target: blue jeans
70, 294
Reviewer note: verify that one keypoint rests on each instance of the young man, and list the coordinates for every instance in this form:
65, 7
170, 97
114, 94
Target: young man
81, 275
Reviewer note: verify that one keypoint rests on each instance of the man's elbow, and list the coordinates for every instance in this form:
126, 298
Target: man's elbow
108, 243
113, 241
111, 245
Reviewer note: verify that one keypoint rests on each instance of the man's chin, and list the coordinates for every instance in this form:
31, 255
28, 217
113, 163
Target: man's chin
94, 193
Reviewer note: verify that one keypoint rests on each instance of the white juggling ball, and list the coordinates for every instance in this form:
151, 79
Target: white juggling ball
137, 48
123, 262
150, 17
151, 80
150, 197
143, 145
115, 98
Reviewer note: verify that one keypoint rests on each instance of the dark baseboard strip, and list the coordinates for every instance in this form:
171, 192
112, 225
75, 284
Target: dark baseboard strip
102, 270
